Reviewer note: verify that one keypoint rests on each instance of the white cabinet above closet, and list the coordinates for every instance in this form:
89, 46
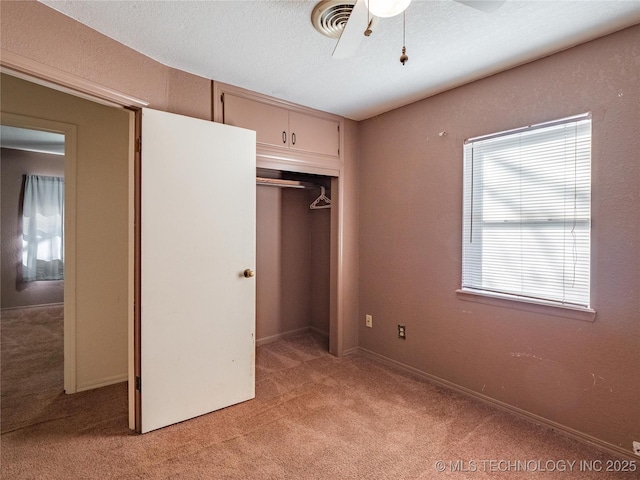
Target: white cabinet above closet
271, 123
285, 133
309, 133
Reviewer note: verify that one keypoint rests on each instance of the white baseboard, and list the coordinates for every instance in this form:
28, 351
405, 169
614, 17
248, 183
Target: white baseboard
351, 351
59, 304
290, 333
102, 382
280, 336
532, 417
319, 332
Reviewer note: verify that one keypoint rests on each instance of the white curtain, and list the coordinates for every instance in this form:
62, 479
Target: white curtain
43, 228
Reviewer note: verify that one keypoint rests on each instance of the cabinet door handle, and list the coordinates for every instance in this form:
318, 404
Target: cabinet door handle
293, 138
284, 137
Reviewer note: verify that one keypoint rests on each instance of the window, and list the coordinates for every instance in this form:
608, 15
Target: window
42, 228
527, 213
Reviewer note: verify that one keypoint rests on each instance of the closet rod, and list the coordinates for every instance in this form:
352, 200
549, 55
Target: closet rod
278, 182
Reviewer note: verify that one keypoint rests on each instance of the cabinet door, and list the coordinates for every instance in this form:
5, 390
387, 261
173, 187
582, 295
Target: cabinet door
314, 134
269, 122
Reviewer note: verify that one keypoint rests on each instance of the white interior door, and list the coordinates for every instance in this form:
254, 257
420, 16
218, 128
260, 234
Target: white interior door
197, 320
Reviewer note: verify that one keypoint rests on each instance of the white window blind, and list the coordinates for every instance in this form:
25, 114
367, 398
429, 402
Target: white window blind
527, 213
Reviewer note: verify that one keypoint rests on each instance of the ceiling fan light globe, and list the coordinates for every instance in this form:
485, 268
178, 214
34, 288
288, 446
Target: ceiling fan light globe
387, 8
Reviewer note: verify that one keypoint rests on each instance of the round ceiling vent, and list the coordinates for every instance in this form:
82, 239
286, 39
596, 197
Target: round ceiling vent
330, 16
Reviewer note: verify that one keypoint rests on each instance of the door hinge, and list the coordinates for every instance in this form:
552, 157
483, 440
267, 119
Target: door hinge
138, 145
138, 384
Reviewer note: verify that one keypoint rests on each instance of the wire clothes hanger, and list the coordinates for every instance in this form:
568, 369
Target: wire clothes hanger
321, 202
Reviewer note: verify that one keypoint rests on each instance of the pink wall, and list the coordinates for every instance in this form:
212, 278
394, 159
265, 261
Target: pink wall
583, 375
268, 269
282, 262
292, 270
351, 234
295, 251
319, 242
16, 164
40, 33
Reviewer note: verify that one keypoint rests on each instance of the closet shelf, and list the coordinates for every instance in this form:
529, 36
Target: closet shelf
321, 202
278, 182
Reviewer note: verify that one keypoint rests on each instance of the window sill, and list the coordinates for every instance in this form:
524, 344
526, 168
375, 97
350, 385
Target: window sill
576, 313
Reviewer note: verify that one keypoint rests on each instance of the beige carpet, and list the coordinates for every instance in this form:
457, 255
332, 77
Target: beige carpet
315, 416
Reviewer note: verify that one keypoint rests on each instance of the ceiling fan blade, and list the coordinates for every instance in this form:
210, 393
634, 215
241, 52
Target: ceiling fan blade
353, 32
486, 6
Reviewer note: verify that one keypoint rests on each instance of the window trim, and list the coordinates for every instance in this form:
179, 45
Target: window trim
529, 128
528, 304
523, 302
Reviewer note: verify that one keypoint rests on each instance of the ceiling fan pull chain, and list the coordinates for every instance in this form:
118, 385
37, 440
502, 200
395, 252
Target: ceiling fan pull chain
404, 58
368, 31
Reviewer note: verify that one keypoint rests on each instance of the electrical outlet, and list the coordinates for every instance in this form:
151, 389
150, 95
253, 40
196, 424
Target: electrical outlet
368, 321
402, 332
636, 448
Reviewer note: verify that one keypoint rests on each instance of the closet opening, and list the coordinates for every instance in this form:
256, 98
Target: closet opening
293, 255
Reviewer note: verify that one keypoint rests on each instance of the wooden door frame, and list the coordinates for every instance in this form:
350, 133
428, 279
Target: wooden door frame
135, 364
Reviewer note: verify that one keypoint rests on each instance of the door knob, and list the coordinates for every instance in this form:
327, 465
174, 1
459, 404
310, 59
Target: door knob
248, 273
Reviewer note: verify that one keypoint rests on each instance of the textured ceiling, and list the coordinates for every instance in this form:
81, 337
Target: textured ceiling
31, 140
271, 47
